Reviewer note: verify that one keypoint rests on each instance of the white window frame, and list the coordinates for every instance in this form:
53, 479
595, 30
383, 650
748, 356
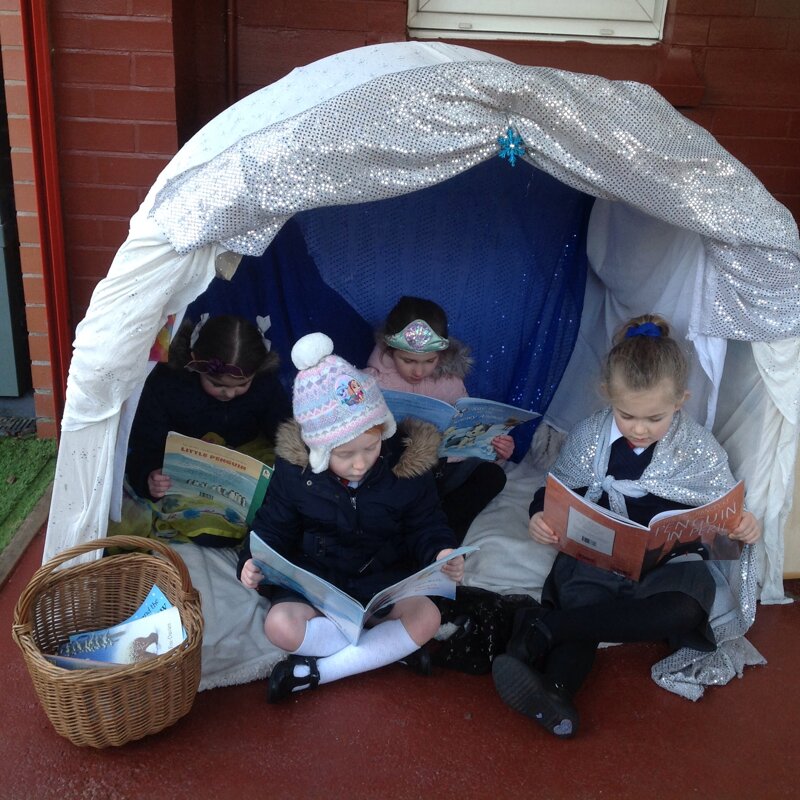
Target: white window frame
605, 21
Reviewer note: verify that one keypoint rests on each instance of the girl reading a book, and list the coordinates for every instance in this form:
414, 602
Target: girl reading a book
353, 501
220, 385
638, 457
415, 354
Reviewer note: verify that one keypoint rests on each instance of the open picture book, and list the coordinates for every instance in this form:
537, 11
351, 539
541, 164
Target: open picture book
209, 479
610, 541
345, 612
467, 427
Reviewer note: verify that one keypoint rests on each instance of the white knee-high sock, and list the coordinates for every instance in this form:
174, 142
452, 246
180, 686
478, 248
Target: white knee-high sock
378, 646
322, 638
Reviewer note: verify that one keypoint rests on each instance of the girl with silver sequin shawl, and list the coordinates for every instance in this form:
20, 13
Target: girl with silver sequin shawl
638, 457
688, 465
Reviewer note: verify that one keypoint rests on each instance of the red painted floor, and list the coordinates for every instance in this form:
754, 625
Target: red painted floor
393, 734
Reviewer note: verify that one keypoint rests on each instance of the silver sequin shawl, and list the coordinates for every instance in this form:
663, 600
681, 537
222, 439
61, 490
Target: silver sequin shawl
689, 466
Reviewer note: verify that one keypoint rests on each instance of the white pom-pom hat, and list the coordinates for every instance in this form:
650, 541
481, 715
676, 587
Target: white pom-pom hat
333, 401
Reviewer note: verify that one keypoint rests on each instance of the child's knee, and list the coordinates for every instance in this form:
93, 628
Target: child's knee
284, 629
433, 617
422, 620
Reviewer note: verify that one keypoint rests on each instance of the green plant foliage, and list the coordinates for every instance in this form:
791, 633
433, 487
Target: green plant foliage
27, 466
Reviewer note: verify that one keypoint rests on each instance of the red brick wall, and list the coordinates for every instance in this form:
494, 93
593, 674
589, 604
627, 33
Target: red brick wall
201, 53
276, 36
114, 77
114, 107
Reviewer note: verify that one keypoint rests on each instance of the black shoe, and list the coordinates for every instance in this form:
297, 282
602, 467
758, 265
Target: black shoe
419, 661
535, 695
283, 681
530, 639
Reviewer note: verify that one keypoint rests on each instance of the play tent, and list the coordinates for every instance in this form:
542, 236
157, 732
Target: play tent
399, 169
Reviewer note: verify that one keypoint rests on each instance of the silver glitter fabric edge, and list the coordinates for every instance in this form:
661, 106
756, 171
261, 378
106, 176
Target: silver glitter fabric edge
687, 672
408, 130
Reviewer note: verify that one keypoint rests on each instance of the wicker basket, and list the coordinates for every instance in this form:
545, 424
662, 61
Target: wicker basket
109, 705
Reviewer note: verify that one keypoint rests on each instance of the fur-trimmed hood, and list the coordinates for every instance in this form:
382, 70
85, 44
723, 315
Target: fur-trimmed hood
455, 362
411, 452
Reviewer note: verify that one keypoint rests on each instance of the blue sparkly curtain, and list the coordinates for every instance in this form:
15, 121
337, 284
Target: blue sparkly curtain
502, 249
285, 284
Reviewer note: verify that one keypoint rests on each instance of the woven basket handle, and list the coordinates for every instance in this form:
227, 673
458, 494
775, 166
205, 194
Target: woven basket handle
125, 542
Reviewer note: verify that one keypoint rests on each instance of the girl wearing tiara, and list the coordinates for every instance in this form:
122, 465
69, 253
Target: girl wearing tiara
415, 354
638, 457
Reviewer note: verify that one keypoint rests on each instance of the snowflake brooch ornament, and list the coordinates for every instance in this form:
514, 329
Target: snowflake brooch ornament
511, 146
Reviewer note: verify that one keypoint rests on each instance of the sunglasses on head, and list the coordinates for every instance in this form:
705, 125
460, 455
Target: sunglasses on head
213, 366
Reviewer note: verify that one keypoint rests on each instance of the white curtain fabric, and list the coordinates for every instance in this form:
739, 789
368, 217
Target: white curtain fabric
757, 425
147, 282
638, 264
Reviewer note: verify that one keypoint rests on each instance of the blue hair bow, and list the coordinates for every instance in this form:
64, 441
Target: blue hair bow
645, 329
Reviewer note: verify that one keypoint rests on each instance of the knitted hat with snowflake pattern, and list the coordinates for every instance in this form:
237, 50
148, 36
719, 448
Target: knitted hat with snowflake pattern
333, 401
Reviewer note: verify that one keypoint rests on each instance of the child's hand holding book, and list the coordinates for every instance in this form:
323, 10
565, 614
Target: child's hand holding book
158, 484
540, 531
504, 447
454, 569
748, 530
251, 575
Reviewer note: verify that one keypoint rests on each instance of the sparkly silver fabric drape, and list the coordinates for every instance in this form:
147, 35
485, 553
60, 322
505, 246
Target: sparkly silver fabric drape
405, 131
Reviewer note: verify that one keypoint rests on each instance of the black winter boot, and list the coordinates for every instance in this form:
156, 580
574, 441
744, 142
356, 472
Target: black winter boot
535, 695
530, 639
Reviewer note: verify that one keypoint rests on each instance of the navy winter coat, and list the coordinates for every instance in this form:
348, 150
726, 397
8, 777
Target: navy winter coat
362, 539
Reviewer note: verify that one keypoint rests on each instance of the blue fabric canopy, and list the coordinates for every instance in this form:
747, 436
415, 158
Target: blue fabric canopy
502, 249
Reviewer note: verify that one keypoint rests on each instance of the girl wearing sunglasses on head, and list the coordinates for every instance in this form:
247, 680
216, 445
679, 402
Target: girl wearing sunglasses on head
221, 385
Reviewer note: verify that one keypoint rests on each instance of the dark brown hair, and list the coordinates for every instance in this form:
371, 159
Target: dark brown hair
407, 309
641, 362
231, 339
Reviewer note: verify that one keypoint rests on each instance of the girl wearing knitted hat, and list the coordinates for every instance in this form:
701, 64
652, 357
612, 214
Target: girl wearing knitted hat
354, 502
